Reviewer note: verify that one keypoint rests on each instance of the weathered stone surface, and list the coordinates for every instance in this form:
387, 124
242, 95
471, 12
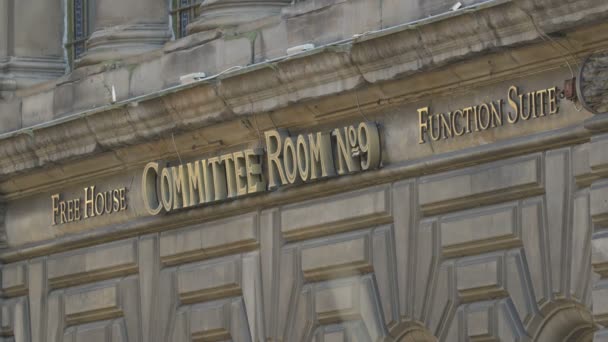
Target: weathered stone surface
459, 190
342, 213
347, 257
37, 109
92, 305
499, 235
11, 119
395, 60
200, 242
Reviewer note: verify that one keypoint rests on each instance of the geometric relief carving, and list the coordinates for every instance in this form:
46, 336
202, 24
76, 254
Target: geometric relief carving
14, 320
600, 302
600, 253
92, 264
599, 234
209, 240
14, 282
558, 183
336, 214
481, 185
337, 259
480, 230
462, 255
334, 288
481, 278
88, 305
599, 206
209, 282
219, 322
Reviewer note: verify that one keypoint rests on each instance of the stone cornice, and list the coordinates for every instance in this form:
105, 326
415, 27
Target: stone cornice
371, 60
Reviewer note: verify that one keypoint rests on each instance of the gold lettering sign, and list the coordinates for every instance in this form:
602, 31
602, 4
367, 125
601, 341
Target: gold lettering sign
94, 203
289, 160
481, 117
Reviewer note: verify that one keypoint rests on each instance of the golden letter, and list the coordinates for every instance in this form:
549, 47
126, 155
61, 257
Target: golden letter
180, 187
303, 157
230, 177
240, 173
290, 160
255, 178
195, 182
274, 142
346, 162
99, 198
422, 127
369, 144
70, 215
321, 157
455, 123
55, 203
552, 101
482, 107
89, 202
219, 178
445, 125
77, 209
541, 94
166, 189
123, 198
149, 181
496, 114
513, 104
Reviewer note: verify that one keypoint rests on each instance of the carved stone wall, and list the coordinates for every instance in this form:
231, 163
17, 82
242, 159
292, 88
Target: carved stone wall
495, 251
598, 162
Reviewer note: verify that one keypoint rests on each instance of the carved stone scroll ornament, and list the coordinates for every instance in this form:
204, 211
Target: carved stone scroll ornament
592, 83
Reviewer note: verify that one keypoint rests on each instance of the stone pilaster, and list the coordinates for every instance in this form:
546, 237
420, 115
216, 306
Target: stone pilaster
31, 50
222, 13
3, 239
126, 28
7, 83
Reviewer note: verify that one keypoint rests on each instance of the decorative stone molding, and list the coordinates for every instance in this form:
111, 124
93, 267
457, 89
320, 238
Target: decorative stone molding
221, 13
22, 72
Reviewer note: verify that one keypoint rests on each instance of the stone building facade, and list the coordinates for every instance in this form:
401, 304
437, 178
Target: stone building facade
312, 170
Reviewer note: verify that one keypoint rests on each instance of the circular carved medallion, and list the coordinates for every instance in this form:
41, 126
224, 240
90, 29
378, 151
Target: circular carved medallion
592, 83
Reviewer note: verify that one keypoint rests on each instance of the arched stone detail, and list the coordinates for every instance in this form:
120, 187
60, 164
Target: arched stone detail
412, 332
567, 321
